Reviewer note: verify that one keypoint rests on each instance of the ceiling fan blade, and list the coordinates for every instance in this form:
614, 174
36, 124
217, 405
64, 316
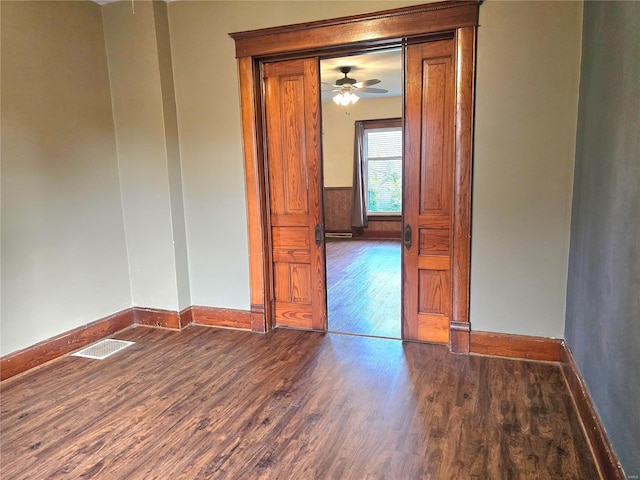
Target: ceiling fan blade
366, 83
372, 90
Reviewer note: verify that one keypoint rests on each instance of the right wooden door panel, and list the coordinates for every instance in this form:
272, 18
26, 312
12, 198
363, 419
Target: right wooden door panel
428, 190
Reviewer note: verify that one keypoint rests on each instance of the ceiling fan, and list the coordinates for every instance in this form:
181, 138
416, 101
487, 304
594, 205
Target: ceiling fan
346, 88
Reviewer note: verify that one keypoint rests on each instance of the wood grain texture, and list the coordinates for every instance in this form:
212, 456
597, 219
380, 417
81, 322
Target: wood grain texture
436, 294
337, 209
347, 35
371, 29
227, 404
363, 287
435, 243
258, 320
461, 256
460, 333
154, 317
605, 457
186, 318
42, 352
259, 268
222, 317
60, 345
292, 122
428, 189
516, 346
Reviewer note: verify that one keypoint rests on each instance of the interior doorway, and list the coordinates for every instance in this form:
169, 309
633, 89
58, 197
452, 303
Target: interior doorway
362, 171
286, 241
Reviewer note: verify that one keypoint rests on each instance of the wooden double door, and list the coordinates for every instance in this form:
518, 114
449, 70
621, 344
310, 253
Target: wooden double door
293, 151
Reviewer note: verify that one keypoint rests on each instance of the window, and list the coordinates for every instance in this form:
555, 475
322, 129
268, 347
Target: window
383, 152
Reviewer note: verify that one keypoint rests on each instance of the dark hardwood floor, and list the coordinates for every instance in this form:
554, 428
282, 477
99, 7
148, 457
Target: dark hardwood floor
213, 403
363, 287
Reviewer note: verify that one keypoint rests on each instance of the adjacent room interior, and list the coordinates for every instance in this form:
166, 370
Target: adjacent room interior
362, 166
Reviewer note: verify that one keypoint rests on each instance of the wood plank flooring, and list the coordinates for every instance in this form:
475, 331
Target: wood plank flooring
364, 287
214, 403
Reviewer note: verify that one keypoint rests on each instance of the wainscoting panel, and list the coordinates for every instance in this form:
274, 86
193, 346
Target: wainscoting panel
337, 209
337, 217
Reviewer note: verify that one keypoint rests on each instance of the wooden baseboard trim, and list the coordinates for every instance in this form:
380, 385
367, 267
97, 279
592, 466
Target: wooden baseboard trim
52, 348
186, 317
603, 453
459, 337
377, 235
258, 318
154, 317
42, 352
516, 346
385, 218
221, 317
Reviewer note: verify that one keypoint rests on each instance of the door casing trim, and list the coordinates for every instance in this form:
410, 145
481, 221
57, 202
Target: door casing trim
349, 35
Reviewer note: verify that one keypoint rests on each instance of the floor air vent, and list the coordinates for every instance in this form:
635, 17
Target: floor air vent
103, 349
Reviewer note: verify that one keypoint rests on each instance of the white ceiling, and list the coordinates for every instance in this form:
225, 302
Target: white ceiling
386, 66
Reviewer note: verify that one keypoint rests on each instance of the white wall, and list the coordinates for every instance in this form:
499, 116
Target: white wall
64, 261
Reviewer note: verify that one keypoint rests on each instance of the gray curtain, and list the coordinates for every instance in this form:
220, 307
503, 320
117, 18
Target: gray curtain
359, 203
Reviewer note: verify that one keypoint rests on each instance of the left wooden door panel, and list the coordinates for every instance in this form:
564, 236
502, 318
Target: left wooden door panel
292, 121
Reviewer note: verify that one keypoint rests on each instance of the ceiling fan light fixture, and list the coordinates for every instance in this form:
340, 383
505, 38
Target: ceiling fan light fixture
345, 98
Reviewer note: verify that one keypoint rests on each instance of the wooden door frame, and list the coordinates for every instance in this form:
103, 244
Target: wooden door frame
349, 35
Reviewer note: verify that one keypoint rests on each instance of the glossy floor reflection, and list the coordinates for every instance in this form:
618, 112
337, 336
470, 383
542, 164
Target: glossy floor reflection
363, 287
207, 403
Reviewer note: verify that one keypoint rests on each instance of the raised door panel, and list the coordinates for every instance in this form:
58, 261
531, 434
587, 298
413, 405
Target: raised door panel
292, 121
429, 168
436, 157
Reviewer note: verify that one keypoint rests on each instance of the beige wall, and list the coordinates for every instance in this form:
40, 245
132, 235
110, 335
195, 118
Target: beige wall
138, 111
64, 261
338, 131
526, 110
172, 142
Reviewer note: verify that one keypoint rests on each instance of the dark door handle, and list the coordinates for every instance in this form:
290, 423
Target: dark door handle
407, 237
318, 235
